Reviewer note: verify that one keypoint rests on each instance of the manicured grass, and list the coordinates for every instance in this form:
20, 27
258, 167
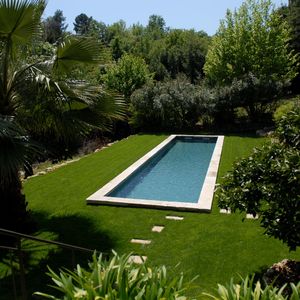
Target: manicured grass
213, 246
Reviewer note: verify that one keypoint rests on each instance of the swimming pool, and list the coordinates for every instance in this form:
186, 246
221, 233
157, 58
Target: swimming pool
179, 173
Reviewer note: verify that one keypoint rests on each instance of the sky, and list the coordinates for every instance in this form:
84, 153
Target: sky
183, 14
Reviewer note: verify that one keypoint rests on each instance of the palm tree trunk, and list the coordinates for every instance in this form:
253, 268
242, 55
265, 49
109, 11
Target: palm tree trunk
14, 214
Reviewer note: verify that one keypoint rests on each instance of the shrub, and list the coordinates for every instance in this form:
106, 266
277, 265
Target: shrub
284, 108
248, 289
268, 183
252, 93
118, 278
171, 105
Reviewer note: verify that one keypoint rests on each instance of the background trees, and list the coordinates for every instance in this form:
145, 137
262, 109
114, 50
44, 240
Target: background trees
129, 74
254, 40
82, 24
55, 27
170, 105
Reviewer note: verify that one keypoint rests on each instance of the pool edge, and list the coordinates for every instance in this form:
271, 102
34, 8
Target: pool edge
205, 200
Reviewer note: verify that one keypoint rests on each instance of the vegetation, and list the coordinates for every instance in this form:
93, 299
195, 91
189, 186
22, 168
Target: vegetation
253, 39
57, 201
267, 183
251, 290
118, 278
170, 105
39, 98
54, 89
129, 74
54, 27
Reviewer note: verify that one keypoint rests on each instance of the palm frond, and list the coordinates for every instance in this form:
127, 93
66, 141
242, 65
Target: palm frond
20, 19
16, 149
77, 51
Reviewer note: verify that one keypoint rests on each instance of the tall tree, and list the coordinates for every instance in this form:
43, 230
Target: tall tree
129, 74
156, 26
294, 7
40, 97
55, 27
254, 39
82, 24
294, 18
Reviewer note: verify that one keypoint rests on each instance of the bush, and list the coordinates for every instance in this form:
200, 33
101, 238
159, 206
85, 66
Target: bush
118, 278
252, 93
284, 108
248, 289
268, 183
171, 105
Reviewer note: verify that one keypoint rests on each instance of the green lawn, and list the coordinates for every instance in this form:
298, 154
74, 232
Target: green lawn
213, 246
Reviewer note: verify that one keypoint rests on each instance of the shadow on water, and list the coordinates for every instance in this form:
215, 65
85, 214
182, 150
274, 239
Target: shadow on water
73, 229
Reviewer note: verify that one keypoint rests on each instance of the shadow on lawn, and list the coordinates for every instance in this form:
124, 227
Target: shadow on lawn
73, 229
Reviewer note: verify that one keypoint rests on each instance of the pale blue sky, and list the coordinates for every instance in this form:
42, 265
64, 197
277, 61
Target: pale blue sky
198, 14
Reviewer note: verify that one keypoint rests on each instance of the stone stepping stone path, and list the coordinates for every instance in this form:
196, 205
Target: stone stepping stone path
140, 241
137, 259
175, 218
158, 228
225, 211
250, 216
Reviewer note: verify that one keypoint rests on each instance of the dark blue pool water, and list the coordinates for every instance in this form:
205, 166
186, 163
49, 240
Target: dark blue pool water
175, 173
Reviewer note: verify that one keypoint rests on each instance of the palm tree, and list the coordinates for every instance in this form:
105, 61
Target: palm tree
40, 97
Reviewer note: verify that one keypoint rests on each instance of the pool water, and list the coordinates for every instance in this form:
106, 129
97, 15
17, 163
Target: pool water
176, 173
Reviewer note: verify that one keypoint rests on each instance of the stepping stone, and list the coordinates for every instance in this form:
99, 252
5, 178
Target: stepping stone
250, 216
225, 211
137, 259
176, 218
140, 241
157, 228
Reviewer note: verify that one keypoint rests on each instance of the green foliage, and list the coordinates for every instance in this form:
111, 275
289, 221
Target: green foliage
294, 17
82, 25
38, 93
171, 105
268, 182
250, 92
284, 108
129, 74
248, 289
118, 278
54, 27
254, 39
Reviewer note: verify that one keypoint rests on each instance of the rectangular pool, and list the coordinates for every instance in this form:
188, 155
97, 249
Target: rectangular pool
179, 173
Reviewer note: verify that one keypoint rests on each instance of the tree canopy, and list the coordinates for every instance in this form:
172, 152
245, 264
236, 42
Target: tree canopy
253, 39
55, 27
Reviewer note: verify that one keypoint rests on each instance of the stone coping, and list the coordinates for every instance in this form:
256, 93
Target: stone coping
206, 195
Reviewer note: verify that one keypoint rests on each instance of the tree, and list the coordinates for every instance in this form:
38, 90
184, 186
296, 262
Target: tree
254, 39
129, 74
294, 19
184, 52
294, 12
170, 105
55, 27
156, 23
82, 24
40, 97
267, 183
